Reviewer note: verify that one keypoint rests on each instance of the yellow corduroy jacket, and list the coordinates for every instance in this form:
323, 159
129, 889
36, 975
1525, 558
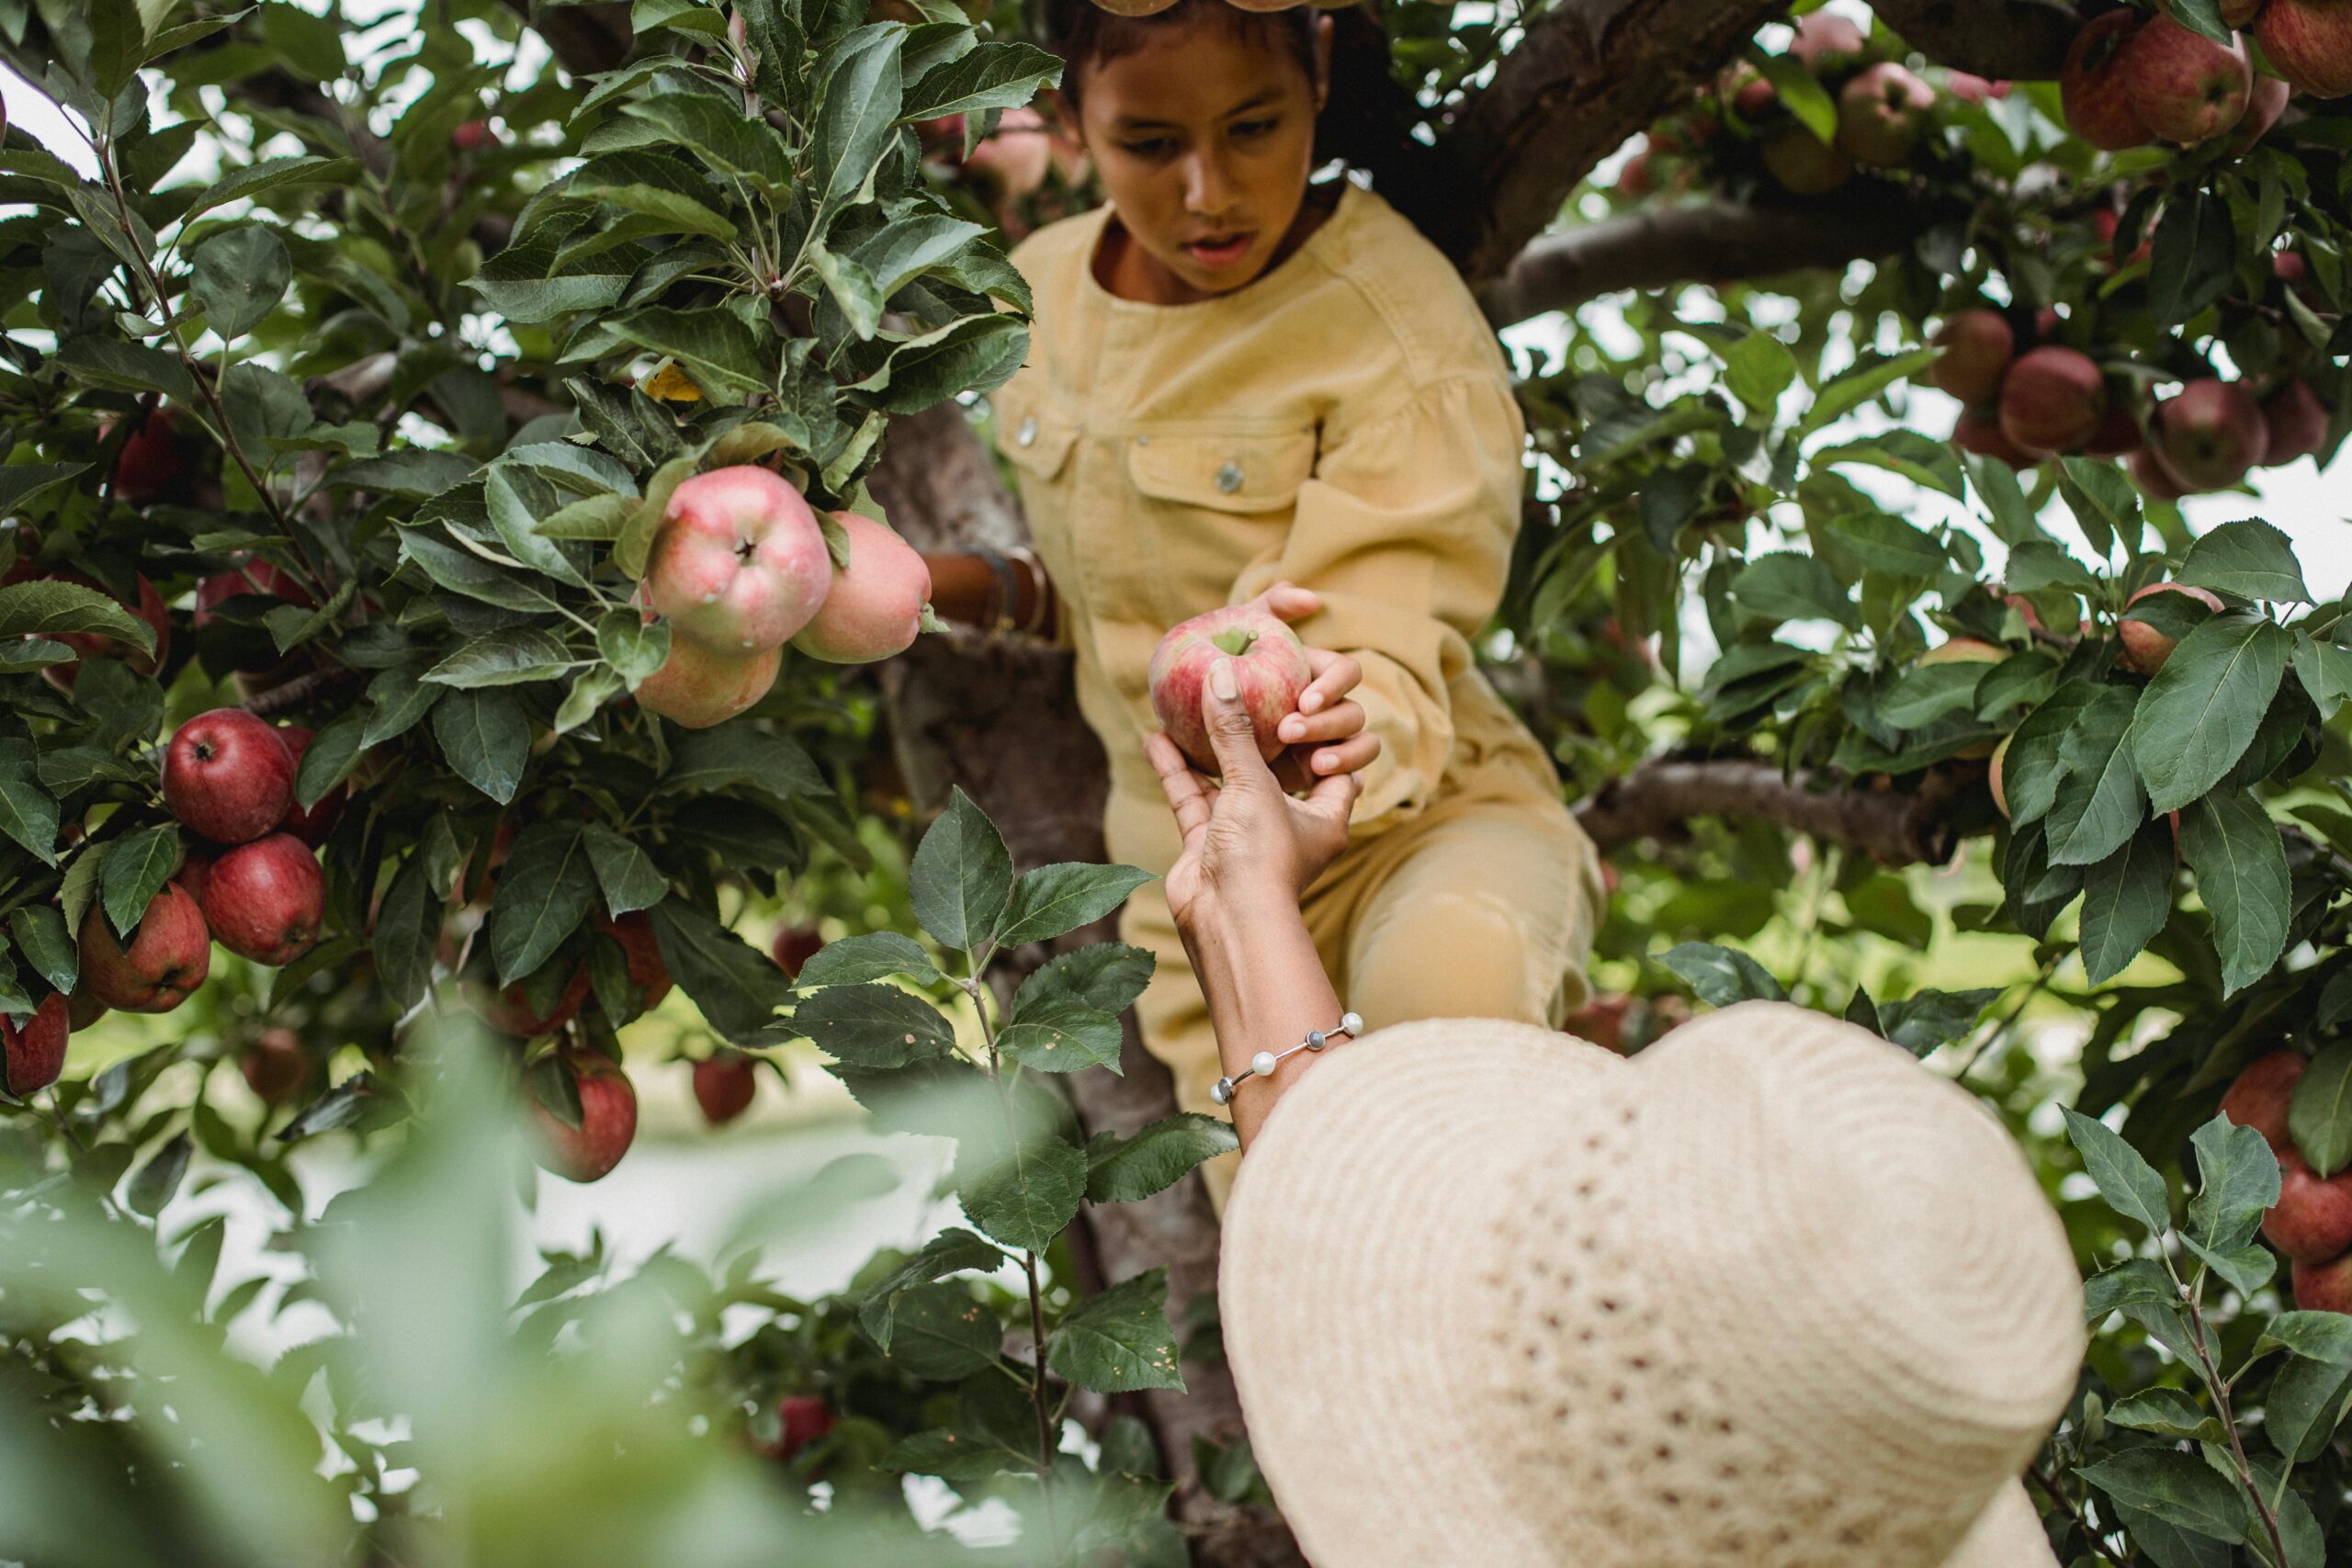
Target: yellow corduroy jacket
1345, 421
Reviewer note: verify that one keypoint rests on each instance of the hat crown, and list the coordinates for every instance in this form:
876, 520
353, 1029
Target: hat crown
1778, 1274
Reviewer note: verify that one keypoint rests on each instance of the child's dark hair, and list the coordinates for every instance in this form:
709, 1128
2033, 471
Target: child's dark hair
1365, 123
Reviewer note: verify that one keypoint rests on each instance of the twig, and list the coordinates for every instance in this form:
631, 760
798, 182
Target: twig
2049, 1488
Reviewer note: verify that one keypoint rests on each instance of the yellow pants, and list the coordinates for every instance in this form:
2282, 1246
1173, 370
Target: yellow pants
1483, 906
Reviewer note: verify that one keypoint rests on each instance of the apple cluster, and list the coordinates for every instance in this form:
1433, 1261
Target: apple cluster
2311, 1222
2131, 78
740, 567
2027, 397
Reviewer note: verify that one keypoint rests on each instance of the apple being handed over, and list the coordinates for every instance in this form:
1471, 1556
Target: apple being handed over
1269, 663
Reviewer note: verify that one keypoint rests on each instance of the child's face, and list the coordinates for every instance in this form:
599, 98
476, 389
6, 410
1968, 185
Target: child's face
1204, 139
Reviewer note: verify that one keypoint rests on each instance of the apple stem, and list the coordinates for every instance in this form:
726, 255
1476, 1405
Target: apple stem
1234, 640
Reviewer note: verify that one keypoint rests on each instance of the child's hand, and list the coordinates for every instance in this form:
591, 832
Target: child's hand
1245, 840
1326, 735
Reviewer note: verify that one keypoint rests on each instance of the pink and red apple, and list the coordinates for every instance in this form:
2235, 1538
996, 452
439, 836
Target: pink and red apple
32, 1053
804, 1419
170, 954
1881, 113
1824, 38
740, 564
2185, 86
2309, 43
148, 467
2297, 421
2210, 434
1981, 433
2257, 1096
2311, 1222
2093, 92
634, 932
1269, 665
724, 1086
1804, 163
607, 1122
697, 687
266, 900
793, 946
229, 775
875, 606
98, 645
1977, 346
2053, 399
2144, 647
276, 1066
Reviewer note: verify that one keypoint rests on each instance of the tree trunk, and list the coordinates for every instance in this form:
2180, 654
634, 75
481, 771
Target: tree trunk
1001, 721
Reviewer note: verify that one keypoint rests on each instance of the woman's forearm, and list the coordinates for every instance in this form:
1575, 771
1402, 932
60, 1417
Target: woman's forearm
1266, 988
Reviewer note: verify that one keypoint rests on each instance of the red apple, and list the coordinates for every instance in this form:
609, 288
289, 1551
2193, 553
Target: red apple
1824, 37
793, 946
2297, 421
2053, 399
148, 467
2264, 104
724, 1086
276, 1066
229, 775
1269, 664
98, 645
2257, 1096
33, 1053
2210, 434
2325, 1286
472, 135
1633, 180
1804, 163
697, 688
875, 606
83, 1008
2309, 43
2312, 1219
266, 900
509, 1011
1754, 96
170, 955
2144, 647
2239, 13
1601, 1023
2150, 475
254, 577
196, 865
805, 1419
1981, 434
634, 932
740, 564
2118, 433
2186, 86
1977, 346
311, 824
607, 1122
1881, 113
2093, 95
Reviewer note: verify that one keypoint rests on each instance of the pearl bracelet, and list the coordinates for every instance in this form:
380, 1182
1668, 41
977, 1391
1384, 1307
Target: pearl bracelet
1264, 1064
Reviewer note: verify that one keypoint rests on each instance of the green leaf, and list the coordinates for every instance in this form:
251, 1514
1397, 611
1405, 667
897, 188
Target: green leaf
872, 1025
713, 346
126, 367
2196, 245
1126, 1170
940, 1331
2237, 1180
874, 955
1063, 897
2241, 865
1925, 1019
2104, 502
2141, 1281
21, 482
2099, 803
2324, 1336
952, 1251
486, 736
2305, 1401
2168, 1413
1868, 376
2175, 1487
59, 609
513, 656
1932, 464
1995, 484
255, 180
2200, 713
28, 812
1926, 692
463, 573
2244, 1269
860, 90
1888, 544
993, 76
137, 868
1802, 92
625, 874
241, 274
2324, 669
634, 647
543, 894
1789, 586
159, 1178
407, 933
2249, 559
414, 473
41, 936
741, 143
1061, 1036
1106, 976
1024, 1195
1722, 975
2127, 897
1757, 370
1119, 1341
900, 252
735, 754
518, 528
962, 876
738, 987
852, 287
2319, 1113
2127, 1182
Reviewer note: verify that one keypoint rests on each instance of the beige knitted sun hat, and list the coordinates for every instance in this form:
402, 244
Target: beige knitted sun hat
1769, 1294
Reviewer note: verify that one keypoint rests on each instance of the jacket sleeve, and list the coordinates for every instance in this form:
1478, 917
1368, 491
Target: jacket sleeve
1406, 530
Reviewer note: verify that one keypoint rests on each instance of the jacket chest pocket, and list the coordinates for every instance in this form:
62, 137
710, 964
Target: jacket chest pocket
1038, 442
1215, 503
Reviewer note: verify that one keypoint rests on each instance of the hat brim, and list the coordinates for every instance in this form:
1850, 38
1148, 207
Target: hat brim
2008, 1534
1422, 1133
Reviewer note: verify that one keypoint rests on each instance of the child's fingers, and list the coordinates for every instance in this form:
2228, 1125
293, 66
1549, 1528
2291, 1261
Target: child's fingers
1336, 674
1349, 756
1289, 601
1335, 723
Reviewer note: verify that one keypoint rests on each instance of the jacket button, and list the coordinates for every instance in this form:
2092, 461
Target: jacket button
1228, 479
1028, 433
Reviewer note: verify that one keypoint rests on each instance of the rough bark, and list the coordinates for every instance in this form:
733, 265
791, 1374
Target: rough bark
1587, 74
2025, 40
1892, 828
1719, 241
1001, 721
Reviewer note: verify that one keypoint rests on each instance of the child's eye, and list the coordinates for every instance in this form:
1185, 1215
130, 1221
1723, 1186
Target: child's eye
1254, 127
1151, 147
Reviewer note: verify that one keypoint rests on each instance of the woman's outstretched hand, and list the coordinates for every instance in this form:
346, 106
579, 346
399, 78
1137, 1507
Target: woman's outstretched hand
1326, 737
1245, 840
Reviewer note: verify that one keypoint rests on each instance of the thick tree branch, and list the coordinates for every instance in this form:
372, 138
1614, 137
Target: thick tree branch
584, 39
1716, 243
1587, 74
2021, 38
1892, 828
